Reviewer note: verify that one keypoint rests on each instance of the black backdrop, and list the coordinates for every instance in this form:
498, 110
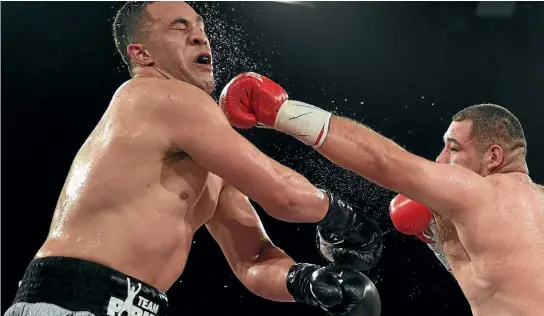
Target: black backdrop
402, 68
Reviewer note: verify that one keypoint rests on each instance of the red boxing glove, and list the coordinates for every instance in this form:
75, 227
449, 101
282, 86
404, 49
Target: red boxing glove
250, 98
411, 217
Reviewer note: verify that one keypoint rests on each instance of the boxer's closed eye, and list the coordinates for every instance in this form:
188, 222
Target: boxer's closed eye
180, 24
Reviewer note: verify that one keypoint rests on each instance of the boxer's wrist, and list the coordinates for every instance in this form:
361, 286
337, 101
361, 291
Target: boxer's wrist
298, 282
306, 122
344, 221
339, 216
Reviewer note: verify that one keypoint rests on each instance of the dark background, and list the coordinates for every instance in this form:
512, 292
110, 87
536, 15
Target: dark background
401, 68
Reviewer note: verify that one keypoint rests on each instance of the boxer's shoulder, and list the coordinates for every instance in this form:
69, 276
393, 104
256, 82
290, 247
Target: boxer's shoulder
509, 180
508, 185
144, 90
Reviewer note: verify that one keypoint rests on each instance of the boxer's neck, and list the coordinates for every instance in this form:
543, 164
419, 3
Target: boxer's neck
150, 72
512, 167
513, 161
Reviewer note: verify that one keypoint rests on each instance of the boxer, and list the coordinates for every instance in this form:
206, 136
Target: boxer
489, 214
164, 161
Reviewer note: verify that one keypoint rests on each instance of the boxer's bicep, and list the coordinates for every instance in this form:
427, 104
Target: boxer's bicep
194, 124
237, 229
449, 190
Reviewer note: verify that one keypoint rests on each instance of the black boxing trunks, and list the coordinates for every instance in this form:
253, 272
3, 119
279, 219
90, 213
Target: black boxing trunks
62, 286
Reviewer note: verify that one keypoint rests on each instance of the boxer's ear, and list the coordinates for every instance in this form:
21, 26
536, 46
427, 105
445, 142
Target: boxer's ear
495, 157
139, 55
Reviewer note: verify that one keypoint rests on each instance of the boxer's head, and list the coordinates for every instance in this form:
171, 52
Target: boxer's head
165, 39
486, 139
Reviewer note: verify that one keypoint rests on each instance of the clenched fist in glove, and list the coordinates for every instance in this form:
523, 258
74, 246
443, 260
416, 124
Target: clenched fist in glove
413, 218
340, 291
348, 236
251, 99
410, 217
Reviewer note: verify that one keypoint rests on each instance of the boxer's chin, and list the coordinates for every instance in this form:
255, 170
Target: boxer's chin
207, 83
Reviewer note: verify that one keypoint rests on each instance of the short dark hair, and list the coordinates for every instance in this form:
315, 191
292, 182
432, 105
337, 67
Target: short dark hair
493, 124
128, 25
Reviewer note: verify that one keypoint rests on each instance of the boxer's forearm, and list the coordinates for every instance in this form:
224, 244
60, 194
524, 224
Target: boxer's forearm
305, 203
358, 148
267, 276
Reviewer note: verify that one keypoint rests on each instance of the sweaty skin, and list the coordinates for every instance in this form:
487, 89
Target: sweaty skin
489, 215
130, 202
490, 227
164, 161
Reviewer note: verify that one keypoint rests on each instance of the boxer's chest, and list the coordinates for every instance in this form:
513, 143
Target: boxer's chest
196, 190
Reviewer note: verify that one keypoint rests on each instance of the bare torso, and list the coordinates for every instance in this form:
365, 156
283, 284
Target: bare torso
130, 201
497, 252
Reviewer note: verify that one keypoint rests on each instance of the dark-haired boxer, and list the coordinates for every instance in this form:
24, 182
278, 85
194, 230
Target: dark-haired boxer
164, 161
489, 214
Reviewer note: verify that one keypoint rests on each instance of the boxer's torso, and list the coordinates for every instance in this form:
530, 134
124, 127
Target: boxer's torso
131, 201
497, 252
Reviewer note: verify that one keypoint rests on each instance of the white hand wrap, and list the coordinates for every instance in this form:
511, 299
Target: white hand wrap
307, 123
438, 251
440, 255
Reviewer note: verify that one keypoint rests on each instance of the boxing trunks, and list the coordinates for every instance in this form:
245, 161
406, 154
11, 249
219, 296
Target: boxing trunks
62, 286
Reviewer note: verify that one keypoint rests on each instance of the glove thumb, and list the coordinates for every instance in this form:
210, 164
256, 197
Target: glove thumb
326, 288
235, 104
237, 117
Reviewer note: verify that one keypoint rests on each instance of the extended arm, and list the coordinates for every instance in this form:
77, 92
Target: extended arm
267, 271
191, 121
447, 189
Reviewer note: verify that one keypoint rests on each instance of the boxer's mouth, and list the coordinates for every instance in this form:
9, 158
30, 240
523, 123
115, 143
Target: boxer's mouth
203, 59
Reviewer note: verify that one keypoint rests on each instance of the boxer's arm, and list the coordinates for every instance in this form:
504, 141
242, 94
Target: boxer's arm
251, 99
255, 261
195, 124
448, 190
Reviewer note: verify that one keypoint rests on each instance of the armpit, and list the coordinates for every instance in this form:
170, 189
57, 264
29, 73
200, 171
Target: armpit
173, 156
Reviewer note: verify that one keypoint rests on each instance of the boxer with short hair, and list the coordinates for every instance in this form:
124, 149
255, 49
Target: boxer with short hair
164, 161
488, 213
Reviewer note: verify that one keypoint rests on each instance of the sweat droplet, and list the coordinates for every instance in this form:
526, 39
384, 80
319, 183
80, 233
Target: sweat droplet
229, 44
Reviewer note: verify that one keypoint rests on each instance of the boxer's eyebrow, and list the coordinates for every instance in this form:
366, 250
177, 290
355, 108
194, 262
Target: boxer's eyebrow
179, 21
199, 19
453, 140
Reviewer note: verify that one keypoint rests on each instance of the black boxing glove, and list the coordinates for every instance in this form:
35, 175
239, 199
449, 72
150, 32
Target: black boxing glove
340, 291
347, 236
